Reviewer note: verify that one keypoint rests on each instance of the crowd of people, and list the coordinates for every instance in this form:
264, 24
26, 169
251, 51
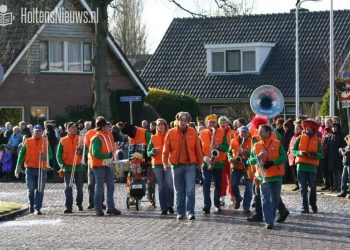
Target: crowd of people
214, 149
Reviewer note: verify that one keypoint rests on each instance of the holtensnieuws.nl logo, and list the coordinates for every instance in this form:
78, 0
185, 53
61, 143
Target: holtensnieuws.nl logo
58, 15
5, 18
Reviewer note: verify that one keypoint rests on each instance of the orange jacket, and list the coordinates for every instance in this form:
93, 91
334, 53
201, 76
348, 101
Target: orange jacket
157, 141
230, 134
70, 143
107, 146
172, 144
206, 138
235, 146
34, 147
272, 146
140, 137
308, 145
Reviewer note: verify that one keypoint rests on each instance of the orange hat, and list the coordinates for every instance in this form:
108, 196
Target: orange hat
210, 118
310, 122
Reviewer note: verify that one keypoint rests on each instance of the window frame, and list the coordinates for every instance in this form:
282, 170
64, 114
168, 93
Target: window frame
41, 107
65, 57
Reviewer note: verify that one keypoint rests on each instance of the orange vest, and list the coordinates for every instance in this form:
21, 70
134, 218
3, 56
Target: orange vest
309, 145
34, 147
140, 137
272, 146
172, 144
230, 134
91, 133
70, 144
158, 142
107, 146
206, 138
235, 146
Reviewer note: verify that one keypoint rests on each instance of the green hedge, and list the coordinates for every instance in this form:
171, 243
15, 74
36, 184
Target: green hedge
168, 104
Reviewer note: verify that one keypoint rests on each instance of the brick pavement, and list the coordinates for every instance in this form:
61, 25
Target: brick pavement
145, 229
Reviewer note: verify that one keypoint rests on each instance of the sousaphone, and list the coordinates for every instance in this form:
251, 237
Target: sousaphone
267, 101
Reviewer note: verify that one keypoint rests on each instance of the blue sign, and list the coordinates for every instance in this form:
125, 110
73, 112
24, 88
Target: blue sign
130, 98
1, 73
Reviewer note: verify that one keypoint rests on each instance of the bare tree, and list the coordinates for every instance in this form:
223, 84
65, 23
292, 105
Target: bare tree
129, 31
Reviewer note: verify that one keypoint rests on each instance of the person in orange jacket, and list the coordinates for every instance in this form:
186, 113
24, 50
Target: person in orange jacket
164, 176
182, 152
36, 151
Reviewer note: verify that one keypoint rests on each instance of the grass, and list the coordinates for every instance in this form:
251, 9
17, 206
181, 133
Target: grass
7, 207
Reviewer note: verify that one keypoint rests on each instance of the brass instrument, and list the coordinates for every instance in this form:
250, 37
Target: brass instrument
214, 153
260, 165
82, 134
81, 143
41, 167
240, 156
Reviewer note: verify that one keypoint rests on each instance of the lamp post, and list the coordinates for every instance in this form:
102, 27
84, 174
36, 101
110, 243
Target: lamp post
331, 63
297, 99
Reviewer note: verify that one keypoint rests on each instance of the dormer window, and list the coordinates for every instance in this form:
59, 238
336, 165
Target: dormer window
237, 58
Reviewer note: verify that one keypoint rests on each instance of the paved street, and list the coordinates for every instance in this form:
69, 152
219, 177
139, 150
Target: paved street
145, 229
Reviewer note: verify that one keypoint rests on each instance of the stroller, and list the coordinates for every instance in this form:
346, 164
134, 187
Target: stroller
139, 178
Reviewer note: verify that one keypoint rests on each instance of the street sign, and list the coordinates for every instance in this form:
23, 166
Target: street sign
1, 73
130, 98
345, 99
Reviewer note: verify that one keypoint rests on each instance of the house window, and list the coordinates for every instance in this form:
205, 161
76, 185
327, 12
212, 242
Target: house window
233, 61
289, 111
11, 114
218, 110
248, 60
63, 56
218, 61
39, 114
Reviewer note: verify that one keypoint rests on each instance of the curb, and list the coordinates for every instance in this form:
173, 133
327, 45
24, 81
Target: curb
14, 214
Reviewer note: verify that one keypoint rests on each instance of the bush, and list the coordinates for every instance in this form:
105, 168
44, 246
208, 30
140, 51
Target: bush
168, 104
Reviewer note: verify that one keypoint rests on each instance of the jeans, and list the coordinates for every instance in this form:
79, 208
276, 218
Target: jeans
258, 208
207, 177
270, 194
165, 188
307, 179
68, 191
91, 187
236, 176
345, 179
184, 181
104, 174
35, 198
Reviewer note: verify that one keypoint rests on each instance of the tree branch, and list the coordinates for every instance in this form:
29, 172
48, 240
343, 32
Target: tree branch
194, 14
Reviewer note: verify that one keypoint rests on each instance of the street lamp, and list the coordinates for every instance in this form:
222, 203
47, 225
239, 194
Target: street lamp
331, 63
297, 99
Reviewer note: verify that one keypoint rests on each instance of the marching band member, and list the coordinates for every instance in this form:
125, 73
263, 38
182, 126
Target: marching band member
270, 156
213, 142
308, 152
182, 151
164, 176
69, 155
226, 172
34, 154
238, 155
101, 152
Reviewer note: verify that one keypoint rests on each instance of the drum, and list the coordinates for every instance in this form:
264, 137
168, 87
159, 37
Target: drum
120, 167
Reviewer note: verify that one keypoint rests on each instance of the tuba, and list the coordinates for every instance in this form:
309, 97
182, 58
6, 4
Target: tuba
267, 101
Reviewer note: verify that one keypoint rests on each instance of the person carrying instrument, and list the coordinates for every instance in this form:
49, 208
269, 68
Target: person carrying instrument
35, 154
238, 155
101, 153
69, 156
164, 176
308, 152
214, 148
269, 156
226, 172
182, 151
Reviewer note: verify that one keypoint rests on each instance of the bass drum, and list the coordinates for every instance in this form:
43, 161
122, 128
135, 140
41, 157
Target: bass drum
267, 101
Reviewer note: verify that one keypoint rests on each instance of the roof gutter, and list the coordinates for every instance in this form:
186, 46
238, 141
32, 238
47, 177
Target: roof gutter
247, 100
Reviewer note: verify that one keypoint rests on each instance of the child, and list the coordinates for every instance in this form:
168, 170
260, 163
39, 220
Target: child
345, 152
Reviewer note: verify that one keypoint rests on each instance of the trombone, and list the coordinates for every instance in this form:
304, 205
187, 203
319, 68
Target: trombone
41, 167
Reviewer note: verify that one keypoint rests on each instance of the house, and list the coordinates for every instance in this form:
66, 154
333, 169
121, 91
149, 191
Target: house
48, 68
222, 60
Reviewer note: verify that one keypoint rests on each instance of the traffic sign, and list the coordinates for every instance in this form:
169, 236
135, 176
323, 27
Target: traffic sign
345, 99
130, 98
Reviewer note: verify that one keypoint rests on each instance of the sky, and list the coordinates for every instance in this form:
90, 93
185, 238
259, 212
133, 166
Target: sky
158, 14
